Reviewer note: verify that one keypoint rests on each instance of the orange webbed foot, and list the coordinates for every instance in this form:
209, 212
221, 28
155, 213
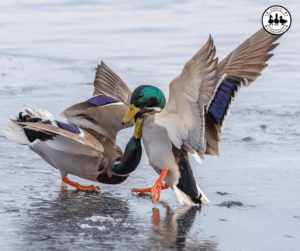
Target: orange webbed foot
156, 189
80, 187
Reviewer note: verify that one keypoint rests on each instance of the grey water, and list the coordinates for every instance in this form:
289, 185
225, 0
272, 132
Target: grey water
48, 54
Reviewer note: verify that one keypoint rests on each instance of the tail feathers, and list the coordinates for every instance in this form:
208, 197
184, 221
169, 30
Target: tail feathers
182, 197
186, 200
203, 199
16, 132
38, 113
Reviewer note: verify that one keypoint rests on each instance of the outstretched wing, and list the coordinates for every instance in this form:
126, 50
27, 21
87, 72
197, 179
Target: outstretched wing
245, 63
201, 95
190, 92
240, 68
106, 109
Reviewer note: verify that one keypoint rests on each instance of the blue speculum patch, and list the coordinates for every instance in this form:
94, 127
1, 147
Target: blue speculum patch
101, 100
222, 99
67, 127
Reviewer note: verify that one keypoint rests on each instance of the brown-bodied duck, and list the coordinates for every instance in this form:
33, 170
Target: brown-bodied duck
85, 146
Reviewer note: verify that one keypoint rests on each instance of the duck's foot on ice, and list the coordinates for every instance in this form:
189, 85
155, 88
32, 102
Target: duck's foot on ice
80, 187
156, 189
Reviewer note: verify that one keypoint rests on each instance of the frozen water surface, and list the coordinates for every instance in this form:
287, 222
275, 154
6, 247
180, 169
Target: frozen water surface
48, 52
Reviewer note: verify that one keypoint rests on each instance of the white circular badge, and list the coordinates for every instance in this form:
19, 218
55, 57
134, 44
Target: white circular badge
276, 20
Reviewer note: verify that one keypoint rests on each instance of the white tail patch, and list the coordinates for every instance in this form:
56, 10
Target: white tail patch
203, 199
38, 113
16, 133
186, 200
182, 197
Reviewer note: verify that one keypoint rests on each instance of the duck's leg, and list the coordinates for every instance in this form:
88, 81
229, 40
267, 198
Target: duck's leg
80, 187
156, 189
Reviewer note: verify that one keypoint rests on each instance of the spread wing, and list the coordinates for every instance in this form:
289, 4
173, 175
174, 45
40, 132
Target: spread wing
240, 68
190, 92
106, 109
201, 95
245, 63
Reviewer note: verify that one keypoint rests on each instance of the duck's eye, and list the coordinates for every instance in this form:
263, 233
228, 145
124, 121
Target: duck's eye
141, 95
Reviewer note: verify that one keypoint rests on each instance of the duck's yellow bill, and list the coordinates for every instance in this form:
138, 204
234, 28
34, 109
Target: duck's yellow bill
131, 114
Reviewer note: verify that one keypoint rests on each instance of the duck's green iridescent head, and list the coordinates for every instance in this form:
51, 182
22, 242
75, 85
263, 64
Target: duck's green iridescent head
144, 97
148, 96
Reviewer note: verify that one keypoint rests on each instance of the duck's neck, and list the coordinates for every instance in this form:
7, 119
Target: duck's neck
138, 129
133, 152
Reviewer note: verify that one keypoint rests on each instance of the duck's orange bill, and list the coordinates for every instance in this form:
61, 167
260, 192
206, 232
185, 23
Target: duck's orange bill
80, 187
156, 189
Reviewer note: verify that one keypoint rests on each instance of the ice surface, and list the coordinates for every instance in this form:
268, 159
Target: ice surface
91, 227
48, 54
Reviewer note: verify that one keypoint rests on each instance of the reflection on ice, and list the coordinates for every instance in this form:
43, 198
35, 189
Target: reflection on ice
175, 226
48, 53
75, 217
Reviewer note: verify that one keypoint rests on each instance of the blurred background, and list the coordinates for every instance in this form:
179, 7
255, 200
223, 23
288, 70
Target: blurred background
48, 54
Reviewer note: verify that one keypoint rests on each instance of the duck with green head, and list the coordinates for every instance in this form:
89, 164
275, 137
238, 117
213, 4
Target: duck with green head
192, 120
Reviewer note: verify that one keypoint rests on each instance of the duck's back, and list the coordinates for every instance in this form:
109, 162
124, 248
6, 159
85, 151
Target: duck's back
101, 116
85, 146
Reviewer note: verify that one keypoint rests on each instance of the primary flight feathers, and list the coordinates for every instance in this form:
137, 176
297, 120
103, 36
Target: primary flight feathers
186, 114
247, 61
109, 83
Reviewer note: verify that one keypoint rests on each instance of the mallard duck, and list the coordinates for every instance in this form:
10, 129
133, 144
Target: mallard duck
192, 120
86, 145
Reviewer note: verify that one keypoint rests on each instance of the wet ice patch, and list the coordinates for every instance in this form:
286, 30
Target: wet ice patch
248, 139
230, 204
109, 221
222, 193
101, 219
87, 226
126, 224
104, 219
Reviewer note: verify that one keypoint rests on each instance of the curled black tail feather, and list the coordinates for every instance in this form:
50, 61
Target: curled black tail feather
27, 118
23, 118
